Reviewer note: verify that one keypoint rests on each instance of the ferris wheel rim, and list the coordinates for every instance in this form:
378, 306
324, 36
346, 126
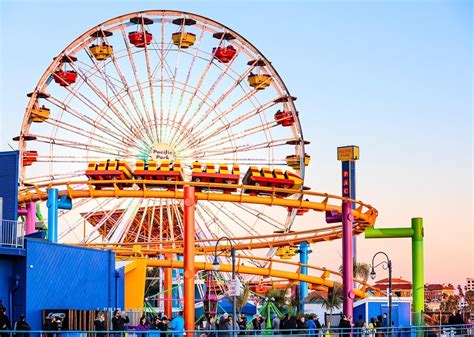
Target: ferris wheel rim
24, 130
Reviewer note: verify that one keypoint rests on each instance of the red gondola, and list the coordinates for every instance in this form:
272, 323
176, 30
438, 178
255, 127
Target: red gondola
65, 77
140, 39
29, 157
224, 54
284, 118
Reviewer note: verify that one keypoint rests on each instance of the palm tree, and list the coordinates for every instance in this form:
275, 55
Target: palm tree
332, 301
360, 270
242, 299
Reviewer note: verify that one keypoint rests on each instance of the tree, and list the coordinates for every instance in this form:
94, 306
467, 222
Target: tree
242, 299
360, 270
332, 301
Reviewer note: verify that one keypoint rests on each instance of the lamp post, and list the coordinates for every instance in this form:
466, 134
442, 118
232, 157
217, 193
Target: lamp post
215, 266
385, 265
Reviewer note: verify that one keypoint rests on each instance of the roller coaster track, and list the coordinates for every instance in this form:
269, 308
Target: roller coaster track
270, 272
152, 248
364, 214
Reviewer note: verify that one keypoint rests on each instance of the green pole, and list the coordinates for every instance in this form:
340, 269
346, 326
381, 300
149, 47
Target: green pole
416, 234
417, 270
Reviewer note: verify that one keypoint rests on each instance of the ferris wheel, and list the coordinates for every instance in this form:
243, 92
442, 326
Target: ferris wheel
164, 87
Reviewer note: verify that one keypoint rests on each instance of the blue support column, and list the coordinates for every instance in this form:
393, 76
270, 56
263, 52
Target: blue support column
304, 259
53, 205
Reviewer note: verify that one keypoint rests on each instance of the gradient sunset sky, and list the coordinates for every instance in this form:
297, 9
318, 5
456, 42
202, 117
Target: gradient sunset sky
394, 77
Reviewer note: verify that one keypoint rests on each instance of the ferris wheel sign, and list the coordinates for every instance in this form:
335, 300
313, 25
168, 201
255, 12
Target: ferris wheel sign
162, 152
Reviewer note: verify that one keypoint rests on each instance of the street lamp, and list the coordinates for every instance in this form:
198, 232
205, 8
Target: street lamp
385, 265
215, 266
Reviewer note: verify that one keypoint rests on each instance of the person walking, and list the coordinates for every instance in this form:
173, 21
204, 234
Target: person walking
177, 325
312, 330
4, 322
100, 324
358, 325
22, 325
276, 325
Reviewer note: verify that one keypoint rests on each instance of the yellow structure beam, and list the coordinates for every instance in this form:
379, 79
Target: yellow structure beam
135, 275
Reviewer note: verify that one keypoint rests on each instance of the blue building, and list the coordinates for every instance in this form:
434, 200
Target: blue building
375, 306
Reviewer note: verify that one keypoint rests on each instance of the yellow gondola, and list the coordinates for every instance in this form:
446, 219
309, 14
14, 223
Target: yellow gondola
259, 81
39, 115
101, 52
183, 40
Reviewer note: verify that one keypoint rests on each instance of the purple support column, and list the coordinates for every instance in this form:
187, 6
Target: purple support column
347, 277
30, 218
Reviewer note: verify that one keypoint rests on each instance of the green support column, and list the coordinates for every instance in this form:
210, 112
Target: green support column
417, 270
415, 232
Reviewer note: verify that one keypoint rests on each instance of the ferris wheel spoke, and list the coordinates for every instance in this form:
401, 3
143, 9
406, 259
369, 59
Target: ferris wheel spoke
126, 87
106, 100
112, 87
86, 119
57, 176
152, 94
75, 130
116, 151
242, 148
144, 215
207, 96
138, 83
102, 114
242, 135
197, 88
200, 137
235, 218
108, 215
186, 83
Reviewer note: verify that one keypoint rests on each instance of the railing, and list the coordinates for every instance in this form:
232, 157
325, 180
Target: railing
408, 331
11, 233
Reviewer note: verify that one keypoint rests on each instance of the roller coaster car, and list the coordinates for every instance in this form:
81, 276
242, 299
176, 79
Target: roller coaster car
65, 77
101, 52
284, 118
259, 81
268, 178
286, 252
110, 169
209, 175
39, 115
183, 40
140, 39
294, 161
224, 54
152, 170
29, 157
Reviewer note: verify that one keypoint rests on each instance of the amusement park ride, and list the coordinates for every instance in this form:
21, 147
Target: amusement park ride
164, 130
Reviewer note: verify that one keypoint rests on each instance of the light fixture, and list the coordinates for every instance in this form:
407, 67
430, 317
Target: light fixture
373, 274
215, 264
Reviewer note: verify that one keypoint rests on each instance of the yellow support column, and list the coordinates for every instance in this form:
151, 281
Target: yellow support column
135, 274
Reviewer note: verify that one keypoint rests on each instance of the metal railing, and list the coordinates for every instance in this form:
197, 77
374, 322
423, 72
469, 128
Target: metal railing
408, 331
11, 233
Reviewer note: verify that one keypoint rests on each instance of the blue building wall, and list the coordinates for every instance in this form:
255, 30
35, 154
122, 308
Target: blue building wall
373, 307
66, 277
9, 184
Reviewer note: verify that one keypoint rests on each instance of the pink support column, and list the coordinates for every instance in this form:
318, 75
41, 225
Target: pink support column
30, 218
347, 276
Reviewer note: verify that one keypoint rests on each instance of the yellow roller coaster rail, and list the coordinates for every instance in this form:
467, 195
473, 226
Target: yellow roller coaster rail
274, 240
364, 214
269, 271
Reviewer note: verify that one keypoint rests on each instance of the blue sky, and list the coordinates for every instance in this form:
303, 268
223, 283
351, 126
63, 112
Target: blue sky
394, 77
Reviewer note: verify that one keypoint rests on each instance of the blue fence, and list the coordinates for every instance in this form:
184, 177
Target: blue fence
427, 331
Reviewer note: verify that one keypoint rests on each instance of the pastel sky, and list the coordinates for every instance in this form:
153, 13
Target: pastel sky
394, 77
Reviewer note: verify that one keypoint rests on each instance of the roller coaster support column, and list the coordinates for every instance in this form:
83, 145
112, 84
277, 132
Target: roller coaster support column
304, 254
168, 285
53, 205
189, 207
416, 233
30, 218
347, 272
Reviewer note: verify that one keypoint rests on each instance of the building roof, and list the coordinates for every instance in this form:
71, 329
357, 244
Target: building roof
394, 281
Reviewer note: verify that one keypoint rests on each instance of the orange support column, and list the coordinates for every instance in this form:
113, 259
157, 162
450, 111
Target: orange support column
189, 208
168, 298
